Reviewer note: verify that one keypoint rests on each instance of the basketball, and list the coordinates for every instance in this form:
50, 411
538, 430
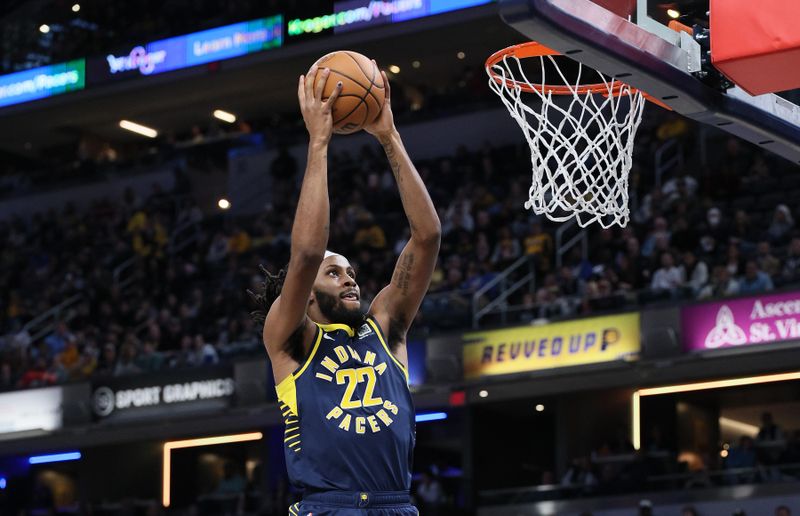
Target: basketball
362, 94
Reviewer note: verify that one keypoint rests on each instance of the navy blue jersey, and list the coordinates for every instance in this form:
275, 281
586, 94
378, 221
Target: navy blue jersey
349, 414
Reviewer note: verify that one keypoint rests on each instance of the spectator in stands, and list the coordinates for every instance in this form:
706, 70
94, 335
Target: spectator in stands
780, 229
782, 510
369, 234
126, 363
722, 284
580, 474
668, 278
767, 262
645, 508
57, 341
792, 453
743, 457
659, 235
735, 261
68, 361
695, 272
205, 353
429, 494
551, 303
755, 280
715, 225
771, 445
688, 511
108, 360
791, 266
506, 251
149, 360
742, 227
638, 276
539, 244
38, 375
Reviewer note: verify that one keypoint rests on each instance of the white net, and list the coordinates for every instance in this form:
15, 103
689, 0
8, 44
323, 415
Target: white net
581, 149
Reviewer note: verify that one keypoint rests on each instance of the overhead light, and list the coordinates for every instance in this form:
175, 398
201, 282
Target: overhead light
636, 424
416, 64
224, 204
739, 426
394, 69
717, 384
55, 457
192, 443
483, 393
224, 116
3, 482
539, 408
138, 128
76, 8
673, 13
44, 28
430, 416
461, 55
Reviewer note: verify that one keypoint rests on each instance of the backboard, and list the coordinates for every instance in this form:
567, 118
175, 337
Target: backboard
629, 40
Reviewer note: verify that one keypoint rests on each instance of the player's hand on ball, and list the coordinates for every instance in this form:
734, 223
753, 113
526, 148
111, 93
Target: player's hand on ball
316, 112
384, 123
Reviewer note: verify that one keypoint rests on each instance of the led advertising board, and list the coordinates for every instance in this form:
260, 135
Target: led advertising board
189, 50
45, 81
361, 14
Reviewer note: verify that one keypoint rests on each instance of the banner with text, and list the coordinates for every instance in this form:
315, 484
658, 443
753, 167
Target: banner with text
45, 81
189, 50
741, 322
534, 348
361, 14
155, 395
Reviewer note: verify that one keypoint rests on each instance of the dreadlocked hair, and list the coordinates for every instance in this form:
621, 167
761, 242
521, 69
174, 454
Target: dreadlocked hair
268, 292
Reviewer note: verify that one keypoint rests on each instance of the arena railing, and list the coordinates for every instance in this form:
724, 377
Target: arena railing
508, 286
45, 322
668, 158
564, 245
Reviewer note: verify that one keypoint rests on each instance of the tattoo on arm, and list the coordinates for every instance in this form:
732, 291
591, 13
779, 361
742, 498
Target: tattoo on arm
402, 276
391, 155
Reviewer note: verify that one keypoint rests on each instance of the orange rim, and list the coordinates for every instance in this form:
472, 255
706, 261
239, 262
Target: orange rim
535, 49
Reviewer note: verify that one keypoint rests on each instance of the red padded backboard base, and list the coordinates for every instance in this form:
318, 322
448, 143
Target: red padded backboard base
757, 44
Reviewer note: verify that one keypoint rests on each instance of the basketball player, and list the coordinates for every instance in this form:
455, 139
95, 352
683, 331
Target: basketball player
341, 374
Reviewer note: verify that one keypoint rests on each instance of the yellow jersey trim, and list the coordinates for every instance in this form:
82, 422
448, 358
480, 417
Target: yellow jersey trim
310, 356
378, 332
336, 326
287, 394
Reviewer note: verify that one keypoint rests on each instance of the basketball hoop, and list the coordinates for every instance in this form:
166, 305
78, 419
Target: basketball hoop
582, 153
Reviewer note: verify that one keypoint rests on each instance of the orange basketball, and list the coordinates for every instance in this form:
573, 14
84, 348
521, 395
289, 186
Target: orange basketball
362, 96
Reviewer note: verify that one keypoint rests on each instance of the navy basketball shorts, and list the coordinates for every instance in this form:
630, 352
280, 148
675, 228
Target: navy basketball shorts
347, 503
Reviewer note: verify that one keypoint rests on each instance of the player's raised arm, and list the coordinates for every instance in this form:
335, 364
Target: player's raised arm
310, 229
396, 305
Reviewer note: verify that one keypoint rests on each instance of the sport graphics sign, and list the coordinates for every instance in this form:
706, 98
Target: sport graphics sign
141, 396
741, 322
534, 348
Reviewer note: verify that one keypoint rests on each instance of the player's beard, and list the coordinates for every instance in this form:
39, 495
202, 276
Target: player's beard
335, 310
